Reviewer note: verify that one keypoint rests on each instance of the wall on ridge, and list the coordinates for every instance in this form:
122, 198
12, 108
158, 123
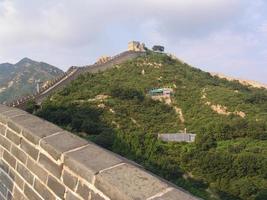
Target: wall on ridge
39, 160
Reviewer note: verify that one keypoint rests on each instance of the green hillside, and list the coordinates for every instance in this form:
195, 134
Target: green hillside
112, 108
20, 79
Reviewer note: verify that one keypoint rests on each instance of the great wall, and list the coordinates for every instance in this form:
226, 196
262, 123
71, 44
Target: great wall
72, 74
40, 161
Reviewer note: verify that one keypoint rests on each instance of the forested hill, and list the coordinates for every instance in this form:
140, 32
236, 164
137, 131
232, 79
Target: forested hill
20, 79
229, 157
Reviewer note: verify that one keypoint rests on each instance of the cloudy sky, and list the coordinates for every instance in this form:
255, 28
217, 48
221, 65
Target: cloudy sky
227, 36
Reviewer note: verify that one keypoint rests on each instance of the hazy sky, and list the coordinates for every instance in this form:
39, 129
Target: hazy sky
228, 36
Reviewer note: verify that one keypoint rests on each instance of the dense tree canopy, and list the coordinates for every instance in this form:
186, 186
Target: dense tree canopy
229, 157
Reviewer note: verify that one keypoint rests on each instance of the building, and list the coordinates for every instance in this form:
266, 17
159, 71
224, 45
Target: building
158, 48
136, 46
161, 92
177, 137
103, 59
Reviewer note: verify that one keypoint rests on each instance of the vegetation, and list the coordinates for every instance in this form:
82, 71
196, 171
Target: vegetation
20, 79
229, 157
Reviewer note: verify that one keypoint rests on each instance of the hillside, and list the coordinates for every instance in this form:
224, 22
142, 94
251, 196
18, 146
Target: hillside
20, 79
112, 108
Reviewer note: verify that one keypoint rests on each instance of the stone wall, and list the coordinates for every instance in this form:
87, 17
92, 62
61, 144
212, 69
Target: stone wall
39, 160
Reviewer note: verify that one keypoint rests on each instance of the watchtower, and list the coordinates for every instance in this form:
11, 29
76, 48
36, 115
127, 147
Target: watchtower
136, 46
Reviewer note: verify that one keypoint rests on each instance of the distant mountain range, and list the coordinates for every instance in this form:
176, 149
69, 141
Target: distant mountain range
21, 78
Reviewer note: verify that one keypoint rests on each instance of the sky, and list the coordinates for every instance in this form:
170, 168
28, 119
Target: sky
225, 36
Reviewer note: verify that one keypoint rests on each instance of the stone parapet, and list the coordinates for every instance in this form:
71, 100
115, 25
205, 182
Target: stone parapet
39, 160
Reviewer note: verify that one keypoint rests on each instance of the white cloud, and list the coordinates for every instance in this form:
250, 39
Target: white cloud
67, 32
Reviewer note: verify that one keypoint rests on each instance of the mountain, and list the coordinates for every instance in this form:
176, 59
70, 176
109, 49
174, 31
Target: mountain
115, 109
21, 78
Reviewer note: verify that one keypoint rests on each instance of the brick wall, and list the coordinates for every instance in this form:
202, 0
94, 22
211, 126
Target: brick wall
38, 160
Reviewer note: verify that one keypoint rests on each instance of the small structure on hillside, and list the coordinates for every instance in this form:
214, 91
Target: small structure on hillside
103, 59
158, 48
164, 92
136, 46
177, 137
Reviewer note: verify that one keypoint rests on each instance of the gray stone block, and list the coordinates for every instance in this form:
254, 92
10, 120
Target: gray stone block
60, 143
90, 160
16, 179
36, 169
43, 191
9, 159
15, 138
127, 182
29, 149
5, 143
71, 196
31, 194
50, 166
34, 128
56, 187
95, 196
176, 194
83, 190
20, 155
69, 180
25, 173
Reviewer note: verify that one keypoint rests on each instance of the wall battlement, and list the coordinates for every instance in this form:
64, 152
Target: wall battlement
39, 160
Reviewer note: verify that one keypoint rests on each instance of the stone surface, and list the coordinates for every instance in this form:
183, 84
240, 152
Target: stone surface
29, 149
50, 166
90, 160
56, 187
176, 194
39, 160
36, 169
69, 180
83, 190
34, 128
127, 182
43, 191
60, 143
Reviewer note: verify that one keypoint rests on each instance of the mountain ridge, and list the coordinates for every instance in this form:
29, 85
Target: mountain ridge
21, 78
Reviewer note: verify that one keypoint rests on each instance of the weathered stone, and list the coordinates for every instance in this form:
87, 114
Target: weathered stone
36, 169
55, 147
34, 128
8, 114
2, 130
5, 143
4, 166
178, 194
83, 190
9, 159
56, 187
15, 138
71, 196
20, 155
69, 180
29, 149
43, 191
25, 173
16, 179
18, 195
89, 160
3, 188
50, 166
95, 196
127, 182
31, 194
6, 180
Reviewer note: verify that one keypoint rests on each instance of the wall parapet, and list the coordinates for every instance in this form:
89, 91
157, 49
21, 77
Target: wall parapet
39, 160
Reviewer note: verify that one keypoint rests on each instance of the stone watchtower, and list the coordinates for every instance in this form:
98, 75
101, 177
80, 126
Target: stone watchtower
136, 46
